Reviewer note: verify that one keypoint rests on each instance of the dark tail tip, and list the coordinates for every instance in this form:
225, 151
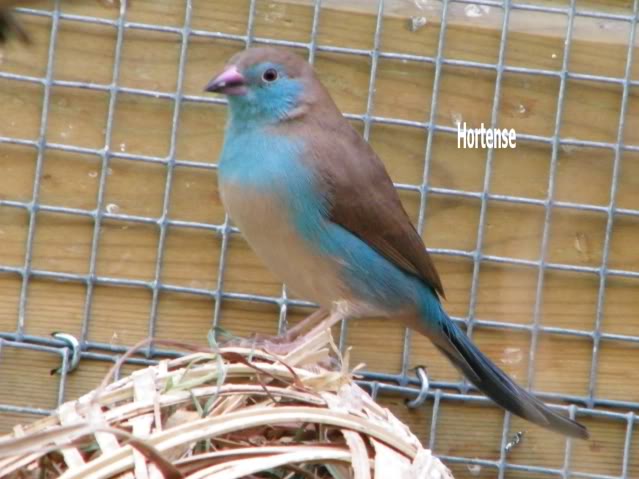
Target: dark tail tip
582, 431
496, 384
560, 423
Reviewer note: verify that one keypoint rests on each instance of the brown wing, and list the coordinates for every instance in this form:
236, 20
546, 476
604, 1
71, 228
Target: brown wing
363, 200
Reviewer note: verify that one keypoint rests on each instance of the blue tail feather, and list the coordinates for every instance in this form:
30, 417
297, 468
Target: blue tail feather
494, 382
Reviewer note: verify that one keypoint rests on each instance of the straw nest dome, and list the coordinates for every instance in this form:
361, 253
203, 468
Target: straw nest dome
233, 413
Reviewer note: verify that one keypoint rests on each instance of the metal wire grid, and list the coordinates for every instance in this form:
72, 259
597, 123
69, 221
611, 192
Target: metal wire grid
404, 383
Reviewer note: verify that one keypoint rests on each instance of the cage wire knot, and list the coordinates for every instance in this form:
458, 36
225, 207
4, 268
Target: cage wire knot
514, 441
424, 386
73, 346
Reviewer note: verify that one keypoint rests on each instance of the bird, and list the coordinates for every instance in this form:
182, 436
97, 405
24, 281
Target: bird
11, 26
316, 204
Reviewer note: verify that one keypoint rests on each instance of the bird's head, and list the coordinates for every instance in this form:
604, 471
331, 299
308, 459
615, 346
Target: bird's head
265, 84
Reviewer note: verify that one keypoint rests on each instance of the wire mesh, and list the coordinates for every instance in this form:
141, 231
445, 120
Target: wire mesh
404, 383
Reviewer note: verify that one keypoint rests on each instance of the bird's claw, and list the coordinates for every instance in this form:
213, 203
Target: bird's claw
279, 345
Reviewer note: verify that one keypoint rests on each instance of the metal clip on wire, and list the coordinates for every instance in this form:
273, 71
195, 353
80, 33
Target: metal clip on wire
74, 346
423, 388
514, 441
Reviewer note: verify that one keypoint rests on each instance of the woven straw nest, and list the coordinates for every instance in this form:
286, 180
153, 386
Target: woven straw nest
237, 413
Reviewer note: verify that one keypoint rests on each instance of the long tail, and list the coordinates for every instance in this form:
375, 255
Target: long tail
484, 374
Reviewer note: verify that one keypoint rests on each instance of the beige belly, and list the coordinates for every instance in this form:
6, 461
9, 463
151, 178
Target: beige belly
264, 223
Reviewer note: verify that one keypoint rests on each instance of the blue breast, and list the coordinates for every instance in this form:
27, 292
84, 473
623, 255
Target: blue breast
271, 163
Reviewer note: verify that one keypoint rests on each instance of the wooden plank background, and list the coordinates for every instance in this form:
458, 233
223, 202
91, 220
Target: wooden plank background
505, 293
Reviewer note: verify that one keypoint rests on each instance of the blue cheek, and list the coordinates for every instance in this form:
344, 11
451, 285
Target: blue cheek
265, 103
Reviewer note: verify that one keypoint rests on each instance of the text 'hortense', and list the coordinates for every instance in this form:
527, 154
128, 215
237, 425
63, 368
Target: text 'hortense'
483, 137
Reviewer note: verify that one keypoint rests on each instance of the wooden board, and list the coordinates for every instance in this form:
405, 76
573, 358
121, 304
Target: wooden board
506, 293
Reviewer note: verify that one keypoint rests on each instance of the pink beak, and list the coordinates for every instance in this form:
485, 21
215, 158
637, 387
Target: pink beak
229, 82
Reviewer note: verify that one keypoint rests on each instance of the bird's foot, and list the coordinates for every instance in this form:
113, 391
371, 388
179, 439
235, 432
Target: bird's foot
294, 340
279, 345
284, 343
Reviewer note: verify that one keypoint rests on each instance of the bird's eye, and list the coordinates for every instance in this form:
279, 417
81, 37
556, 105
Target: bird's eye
269, 75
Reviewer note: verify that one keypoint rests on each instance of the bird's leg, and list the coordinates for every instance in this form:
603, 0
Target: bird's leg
307, 324
286, 342
295, 347
315, 324
325, 321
